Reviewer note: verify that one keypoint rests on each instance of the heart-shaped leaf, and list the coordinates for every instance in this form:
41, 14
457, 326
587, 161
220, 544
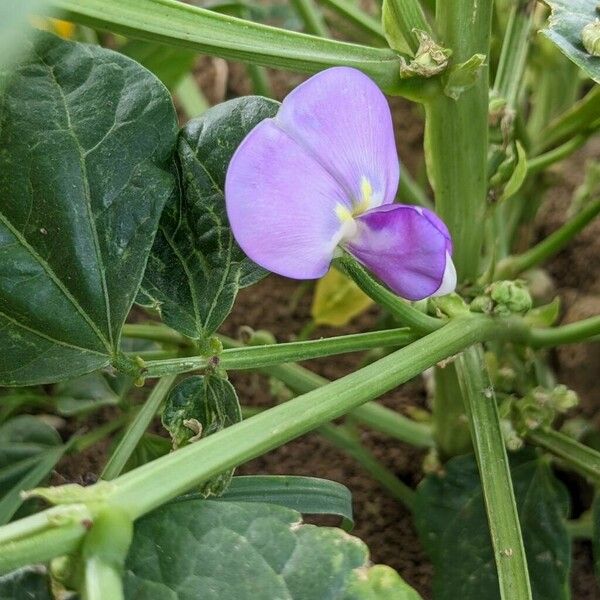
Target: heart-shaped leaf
196, 268
566, 30
451, 519
87, 137
221, 550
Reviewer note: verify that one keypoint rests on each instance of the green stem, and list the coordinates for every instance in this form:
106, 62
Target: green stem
581, 528
399, 308
137, 493
456, 135
582, 117
510, 267
343, 438
136, 430
494, 471
208, 32
255, 357
312, 17
583, 458
515, 47
32, 541
104, 552
407, 16
156, 333
411, 192
572, 333
364, 22
261, 86
190, 97
543, 161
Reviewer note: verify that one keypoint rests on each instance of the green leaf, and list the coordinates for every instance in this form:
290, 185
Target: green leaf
596, 535
451, 519
565, 29
379, 583
29, 450
308, 495
169, 64
544, 316
25, 584
196, 268
87, 136
246, 551
198, 407
84, 394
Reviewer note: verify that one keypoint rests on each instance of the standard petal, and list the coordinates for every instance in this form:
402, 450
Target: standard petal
281, 204
344, 120
406, 247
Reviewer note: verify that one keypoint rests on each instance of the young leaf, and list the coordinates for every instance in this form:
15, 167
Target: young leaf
198, 407
87, 136
244, 551
451, 520
566, 27
196, 268
337, 300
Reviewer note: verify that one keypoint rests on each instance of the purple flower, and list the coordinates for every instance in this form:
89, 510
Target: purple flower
323, 174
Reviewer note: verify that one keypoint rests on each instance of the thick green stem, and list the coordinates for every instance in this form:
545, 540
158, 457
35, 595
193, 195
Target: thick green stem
256, 357
494, 471
584, 459
137, 493
513, 265
181, 24
456, 135
399, 308
312, 17
136, 430
408, 16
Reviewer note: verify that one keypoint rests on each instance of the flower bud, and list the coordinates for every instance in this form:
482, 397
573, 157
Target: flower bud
590, 36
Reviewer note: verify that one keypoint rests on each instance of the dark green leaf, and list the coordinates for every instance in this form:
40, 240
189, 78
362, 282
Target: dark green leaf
86, 136
196, 268
29, 450
307, 495
452, 523
566, 24
198, 407
25, 584
596, 535
248, 551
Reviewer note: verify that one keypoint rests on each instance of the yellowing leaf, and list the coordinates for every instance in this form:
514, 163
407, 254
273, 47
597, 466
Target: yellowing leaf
337, 300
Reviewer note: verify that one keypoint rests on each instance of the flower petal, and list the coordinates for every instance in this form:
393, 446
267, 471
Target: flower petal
344, 120
408, 248
281, 204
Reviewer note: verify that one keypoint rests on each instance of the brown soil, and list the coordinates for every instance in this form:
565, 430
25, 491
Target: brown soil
384, 524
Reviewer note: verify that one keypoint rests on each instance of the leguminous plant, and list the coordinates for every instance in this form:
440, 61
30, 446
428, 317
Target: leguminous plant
127, 229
